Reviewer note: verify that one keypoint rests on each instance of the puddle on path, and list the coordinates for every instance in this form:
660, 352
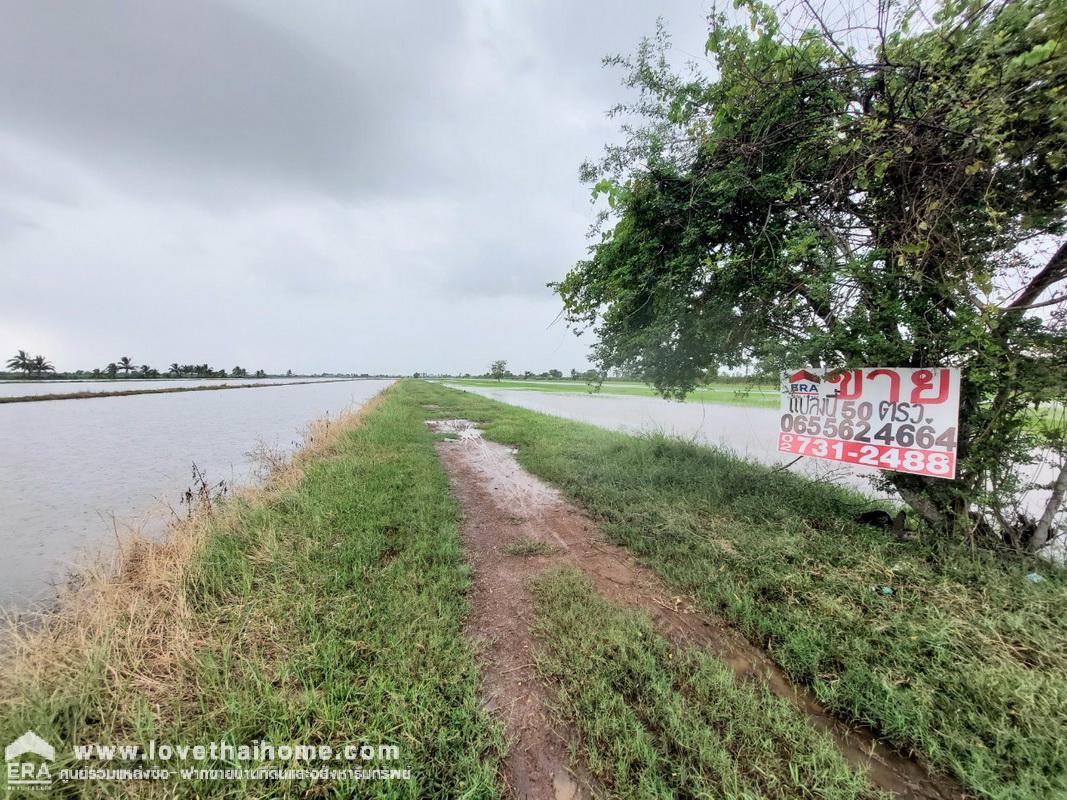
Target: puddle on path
459, 428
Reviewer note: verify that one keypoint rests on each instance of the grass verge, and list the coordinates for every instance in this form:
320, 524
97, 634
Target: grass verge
949, 653
656, 722
325, 609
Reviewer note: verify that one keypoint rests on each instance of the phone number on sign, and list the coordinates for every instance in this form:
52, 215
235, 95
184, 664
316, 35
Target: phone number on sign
899, 459
924, 437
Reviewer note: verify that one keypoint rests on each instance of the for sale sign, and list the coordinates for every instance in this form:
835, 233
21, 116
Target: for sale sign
903, 420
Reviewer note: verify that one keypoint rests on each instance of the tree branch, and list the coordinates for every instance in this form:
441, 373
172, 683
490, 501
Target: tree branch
1053, 272
1050, 302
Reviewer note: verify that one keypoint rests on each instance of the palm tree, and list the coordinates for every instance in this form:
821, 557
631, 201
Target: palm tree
20, 362
126, 365
175, 370
40, 365
112, 369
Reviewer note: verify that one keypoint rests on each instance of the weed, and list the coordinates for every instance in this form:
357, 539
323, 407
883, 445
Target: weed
528, 546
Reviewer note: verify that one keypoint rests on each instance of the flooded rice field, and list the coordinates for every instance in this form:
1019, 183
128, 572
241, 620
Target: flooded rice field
74, 472
31, 387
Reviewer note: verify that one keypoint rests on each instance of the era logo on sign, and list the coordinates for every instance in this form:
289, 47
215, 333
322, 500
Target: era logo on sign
804, 382
23, 771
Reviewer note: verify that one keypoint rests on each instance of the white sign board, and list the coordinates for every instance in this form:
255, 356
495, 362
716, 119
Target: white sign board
903, 420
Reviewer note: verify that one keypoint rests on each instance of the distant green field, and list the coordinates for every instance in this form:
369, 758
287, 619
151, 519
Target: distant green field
764, 396
1050, 415
755, 395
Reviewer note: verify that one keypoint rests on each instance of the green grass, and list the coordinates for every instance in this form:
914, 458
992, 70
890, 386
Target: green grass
656, 722
331, 614
1050, 418
527, 546
727, 393
964, 663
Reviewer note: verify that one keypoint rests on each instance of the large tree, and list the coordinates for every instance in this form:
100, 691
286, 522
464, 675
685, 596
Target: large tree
890, 194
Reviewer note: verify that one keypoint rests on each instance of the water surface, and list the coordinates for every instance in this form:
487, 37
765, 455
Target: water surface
68, 469
31, 387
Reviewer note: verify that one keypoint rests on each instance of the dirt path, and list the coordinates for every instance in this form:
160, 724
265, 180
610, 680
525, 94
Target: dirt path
502, 505
502, 614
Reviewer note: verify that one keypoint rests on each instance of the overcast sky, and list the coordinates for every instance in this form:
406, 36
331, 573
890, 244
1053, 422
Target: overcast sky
330, 185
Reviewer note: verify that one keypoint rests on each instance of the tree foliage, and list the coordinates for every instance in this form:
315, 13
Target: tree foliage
888, 195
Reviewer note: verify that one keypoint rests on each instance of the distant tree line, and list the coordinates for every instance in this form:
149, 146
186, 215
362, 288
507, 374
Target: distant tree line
752, 374
39, 367
498, 370
22, 363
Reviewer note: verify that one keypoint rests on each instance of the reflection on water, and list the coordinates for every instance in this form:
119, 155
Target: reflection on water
67, 467
28, 387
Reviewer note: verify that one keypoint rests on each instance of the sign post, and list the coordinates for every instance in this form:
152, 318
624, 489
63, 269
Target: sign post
904, 420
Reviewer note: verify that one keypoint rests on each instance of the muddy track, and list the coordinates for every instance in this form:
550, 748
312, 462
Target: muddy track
503, 504
502, 614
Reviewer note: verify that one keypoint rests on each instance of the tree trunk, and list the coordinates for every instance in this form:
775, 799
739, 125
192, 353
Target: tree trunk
1044, 525
912, 493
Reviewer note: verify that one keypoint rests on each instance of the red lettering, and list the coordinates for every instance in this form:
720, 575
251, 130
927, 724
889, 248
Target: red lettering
850, 384
894, 382
924, 382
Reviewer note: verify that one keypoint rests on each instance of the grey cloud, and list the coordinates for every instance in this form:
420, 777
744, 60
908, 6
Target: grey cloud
166, 87
372, 185
13, 223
